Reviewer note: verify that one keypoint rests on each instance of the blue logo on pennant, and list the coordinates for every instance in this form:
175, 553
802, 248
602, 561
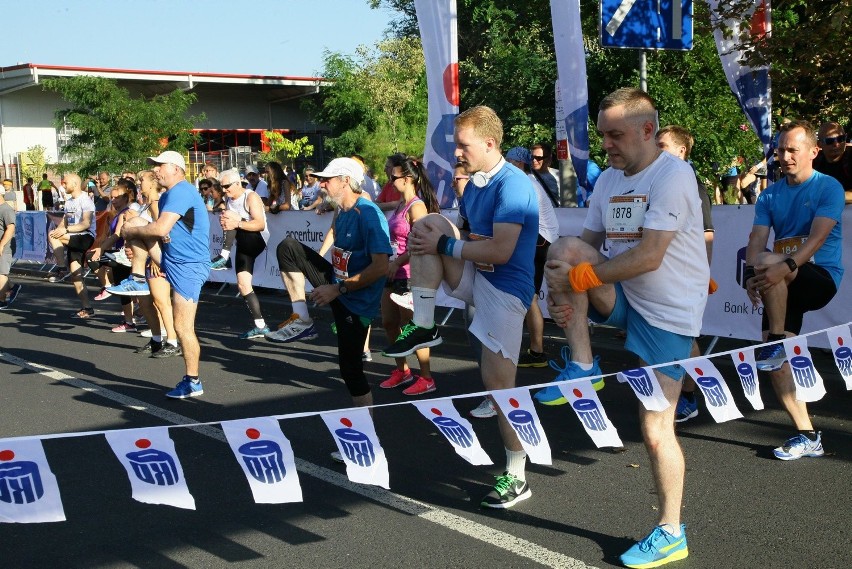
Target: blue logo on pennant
454, 431
523, 423
713, 392
746, 374
356, 447
20, 482
588, 412
843, 357
803, 371
639, 381
264, 460
154, 467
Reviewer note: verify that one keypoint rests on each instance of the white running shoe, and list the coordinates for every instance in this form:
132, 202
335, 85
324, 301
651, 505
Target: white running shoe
293, 331
405, 300
484, 410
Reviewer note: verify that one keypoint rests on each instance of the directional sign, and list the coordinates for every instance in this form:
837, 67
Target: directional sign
647, 24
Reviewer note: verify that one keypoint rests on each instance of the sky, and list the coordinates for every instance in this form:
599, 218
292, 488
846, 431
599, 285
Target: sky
254, 37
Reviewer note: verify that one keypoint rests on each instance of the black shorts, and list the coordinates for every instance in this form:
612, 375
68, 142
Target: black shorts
812, 289
250, 245
47, 199
398, 286
77, 246
541, 247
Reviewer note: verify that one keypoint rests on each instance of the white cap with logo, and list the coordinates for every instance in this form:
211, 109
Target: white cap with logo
343, 167
169, 157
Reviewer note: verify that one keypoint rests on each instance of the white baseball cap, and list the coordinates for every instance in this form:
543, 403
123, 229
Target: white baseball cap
343, 167
169, 157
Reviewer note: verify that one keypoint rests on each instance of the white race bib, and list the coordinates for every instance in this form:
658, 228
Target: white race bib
625, 217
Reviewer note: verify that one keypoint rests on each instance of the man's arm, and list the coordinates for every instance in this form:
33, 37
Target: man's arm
377, 269
644, 258
497, 250
776, 272
757, 242
158, 229
7, 236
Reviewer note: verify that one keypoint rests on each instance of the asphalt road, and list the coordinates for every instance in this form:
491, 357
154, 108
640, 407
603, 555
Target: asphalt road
743, 508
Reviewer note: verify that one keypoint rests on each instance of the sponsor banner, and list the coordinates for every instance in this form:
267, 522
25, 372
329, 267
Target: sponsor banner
718, 397
518, 408
747, 372
841, 347
359, 446
643, 382
455, 428
585, 403
808, 381
28, 489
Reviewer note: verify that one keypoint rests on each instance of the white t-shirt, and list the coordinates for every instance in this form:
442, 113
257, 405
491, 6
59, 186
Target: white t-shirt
74, 208
371, 187
262, 189
672, 297
548, 225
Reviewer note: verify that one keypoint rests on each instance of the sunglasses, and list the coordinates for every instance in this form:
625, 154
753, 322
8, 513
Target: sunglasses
226, 186
834, 140
202, 188
395, 178
537, 158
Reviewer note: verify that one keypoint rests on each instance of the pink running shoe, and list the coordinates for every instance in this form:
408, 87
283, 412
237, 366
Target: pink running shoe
422, 386
397, 378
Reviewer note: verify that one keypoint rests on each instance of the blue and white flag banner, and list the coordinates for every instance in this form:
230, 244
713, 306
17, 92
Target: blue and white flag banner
643, 382
751, 86
152, 465
31, 236
266, 457
356, 439
808, 381
455, 428
585, 403
438, 24
841, 347
747, 371
518, 408
572, 86
720, 401
28, 490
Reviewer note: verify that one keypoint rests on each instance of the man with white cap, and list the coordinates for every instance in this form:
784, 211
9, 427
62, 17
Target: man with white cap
351, 283
179, 242
257, 184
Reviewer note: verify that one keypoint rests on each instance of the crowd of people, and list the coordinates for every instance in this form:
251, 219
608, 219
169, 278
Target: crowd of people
390, 250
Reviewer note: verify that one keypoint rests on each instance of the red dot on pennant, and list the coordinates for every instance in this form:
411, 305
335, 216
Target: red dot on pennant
253, 433
451, 83
797, 350
436, 411
514, 402
742, 356
699, 371
346, 422
578, 393
839, 341
6, 455
143, 443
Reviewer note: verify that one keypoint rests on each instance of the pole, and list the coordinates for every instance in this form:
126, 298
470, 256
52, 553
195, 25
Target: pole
643, 71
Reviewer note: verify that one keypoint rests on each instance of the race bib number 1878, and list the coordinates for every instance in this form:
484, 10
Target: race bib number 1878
625, 217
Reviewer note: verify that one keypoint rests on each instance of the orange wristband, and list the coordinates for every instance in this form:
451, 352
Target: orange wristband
582, 277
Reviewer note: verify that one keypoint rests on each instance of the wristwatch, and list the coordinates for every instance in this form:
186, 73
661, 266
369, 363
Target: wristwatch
791, 263
341, 287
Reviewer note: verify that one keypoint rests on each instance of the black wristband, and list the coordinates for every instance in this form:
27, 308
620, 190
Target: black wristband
442, 244
748, 273
791, 262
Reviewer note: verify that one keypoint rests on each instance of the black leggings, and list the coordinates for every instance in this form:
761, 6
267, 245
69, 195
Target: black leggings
294, 257
250, 244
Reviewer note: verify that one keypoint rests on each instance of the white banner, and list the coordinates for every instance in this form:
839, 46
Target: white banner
356, 439
31, 236
152, 465
718, 397
266, 457
439, 34
809, 385
747, 371
585, 403
517, 406
28, 489
643, 382
841, 347
455, 428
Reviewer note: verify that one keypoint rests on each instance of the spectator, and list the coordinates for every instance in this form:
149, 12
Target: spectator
29, 195
542, 157
8, 293
835, 157
46, 188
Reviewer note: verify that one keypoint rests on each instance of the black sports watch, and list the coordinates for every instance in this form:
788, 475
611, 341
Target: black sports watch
341, 287
792, 264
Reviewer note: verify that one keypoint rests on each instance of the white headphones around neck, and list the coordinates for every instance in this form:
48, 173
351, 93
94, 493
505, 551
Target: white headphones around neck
480, 179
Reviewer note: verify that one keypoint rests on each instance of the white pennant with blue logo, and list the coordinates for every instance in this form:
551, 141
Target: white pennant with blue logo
841, 348
718, 397
585, 403
356, 439
28, 489
152, 465
644, 383
517, 406
747, 372
266, 457
455, 428
808, 381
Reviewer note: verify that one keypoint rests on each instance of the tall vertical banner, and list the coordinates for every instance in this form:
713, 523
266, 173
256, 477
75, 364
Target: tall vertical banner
438, 24
572, 85
751, 86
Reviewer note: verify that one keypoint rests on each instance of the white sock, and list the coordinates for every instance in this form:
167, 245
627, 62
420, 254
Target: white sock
584, 367
300, 307
260, 323
671, 529
424, 306
172, 341
516, 463
224, 253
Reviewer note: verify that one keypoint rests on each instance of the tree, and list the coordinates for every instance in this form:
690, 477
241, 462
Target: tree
113, 131
284, 150
35, 162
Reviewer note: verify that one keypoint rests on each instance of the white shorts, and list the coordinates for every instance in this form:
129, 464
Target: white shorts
499, 319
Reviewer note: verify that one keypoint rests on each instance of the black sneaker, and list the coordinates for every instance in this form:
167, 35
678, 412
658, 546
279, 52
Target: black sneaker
411, 339
507, 492
529, 359
168, 351
13, 293
56, 275
151, 347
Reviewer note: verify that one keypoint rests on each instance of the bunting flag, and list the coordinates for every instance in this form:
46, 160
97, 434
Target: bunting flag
517, 406
644, 383
152, 465
573, 115
719, 400
28, 490
746, 370
585, 403
267, 460
840, 341
809, 386
438, 24
359, 446
456, 429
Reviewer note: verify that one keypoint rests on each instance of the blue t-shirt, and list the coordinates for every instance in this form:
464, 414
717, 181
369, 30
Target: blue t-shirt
189, 239
790, 211
358, 234
508, 197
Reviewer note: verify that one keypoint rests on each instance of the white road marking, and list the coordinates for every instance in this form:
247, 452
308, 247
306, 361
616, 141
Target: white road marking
462, 525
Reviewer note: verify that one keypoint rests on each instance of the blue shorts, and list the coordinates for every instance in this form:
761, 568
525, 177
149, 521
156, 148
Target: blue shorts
187, 278
653, 345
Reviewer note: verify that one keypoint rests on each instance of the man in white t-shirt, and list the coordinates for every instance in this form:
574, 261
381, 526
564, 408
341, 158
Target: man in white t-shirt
653, 285
257, 183
73, 236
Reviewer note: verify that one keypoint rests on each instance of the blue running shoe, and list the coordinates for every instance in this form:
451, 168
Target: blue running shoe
186, 388
800, 446
686, 410
552, 395
771, 357
659, 548
255, 333
129, 287
219, 263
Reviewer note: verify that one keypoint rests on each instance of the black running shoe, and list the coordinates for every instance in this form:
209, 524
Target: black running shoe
151, 347
507, 492
413, 338
168, 351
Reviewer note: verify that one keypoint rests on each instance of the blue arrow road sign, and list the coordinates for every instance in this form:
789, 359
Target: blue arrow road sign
647, 24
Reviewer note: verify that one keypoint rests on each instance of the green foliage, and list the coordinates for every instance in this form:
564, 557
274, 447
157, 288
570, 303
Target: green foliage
285, 151
113, 131
35, 162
